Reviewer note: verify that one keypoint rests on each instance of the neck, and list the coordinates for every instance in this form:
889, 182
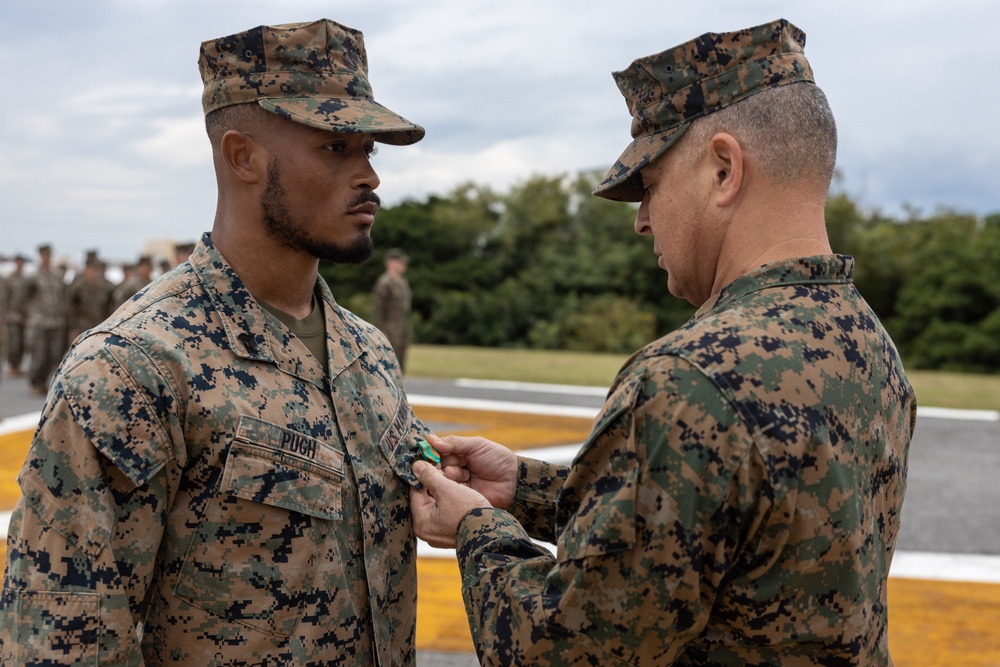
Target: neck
275, 274
780, 226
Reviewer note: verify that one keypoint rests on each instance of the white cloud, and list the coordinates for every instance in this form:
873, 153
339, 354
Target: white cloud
103, 131
175, 142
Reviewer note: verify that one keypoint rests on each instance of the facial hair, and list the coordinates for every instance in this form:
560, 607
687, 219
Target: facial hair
291, 233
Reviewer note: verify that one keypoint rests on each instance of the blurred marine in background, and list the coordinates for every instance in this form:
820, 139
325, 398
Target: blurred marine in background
392, 302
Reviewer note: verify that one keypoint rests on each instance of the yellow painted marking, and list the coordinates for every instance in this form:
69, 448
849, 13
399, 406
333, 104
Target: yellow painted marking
944, 623
516, 431
441, 621
931, 623
13, 449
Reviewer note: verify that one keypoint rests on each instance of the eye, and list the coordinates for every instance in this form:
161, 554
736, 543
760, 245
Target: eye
371, 151
336, 147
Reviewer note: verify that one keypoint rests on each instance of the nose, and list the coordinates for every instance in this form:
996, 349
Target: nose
642, 218
366, 176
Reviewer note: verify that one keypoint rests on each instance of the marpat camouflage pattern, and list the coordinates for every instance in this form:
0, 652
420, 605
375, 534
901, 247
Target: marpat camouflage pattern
665, 92
201, 492
313, 73
737, 502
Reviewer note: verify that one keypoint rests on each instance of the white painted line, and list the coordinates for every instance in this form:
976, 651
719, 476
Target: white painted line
541, 388
425, 550
562, 455
946, 567
963, 415
28, 422
905, 565
503, 406
927, 412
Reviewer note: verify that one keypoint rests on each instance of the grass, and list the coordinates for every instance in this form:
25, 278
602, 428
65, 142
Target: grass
487, 363
934, 388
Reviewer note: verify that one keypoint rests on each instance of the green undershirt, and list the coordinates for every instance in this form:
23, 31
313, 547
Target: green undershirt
311, 329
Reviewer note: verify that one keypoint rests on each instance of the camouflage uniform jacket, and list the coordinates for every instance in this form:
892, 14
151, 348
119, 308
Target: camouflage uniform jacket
87, 303
17, 285
391, 303
201, 492
45, 300
4, 300
127, 289
737, 502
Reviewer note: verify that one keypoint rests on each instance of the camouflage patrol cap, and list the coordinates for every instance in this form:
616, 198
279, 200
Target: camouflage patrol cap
312, 73
667, 91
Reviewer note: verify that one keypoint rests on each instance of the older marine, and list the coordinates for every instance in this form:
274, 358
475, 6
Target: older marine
738, 500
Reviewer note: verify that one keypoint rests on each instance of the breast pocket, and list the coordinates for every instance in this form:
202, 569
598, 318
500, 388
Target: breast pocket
253, 556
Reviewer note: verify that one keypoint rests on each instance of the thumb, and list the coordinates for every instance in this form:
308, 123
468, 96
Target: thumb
429, 476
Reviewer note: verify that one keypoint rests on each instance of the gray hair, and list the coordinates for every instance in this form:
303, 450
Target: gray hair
789, 130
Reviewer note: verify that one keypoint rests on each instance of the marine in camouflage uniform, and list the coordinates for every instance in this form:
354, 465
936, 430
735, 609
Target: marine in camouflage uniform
202, 489
15, 314
738, 500
135, 279
391, 304
88, 298
4, 299
45, 325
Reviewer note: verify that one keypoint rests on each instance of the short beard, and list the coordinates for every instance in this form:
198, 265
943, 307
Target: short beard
291, 233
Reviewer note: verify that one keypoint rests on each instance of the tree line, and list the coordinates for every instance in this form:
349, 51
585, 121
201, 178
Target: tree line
547, 265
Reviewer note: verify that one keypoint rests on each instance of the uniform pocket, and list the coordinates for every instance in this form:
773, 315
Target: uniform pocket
252, 558
54, 628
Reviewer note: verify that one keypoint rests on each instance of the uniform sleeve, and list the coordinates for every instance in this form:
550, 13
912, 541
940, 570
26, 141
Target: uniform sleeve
650, 519
96, 486
535, 499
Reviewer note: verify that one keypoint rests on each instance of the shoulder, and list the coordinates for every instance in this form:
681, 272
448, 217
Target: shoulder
172, 311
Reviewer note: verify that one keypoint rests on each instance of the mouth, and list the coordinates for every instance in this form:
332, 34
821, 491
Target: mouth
367, 208
364, 212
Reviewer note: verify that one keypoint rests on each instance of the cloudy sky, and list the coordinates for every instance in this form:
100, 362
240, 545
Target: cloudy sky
102, 142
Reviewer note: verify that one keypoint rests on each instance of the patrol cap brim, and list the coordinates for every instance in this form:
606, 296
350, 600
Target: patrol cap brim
347, 115
312, 73
667, 91
623, 182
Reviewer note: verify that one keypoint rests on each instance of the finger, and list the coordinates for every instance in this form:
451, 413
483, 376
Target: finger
444, 445
453, 460
457, 474
420, 502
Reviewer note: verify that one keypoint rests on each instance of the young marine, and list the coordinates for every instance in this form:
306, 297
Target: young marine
221, 472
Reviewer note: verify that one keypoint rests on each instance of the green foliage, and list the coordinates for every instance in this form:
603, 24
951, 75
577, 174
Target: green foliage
547, 265
934, 282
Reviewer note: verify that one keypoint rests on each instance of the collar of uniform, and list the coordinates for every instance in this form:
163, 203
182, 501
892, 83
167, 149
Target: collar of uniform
817, 270
253, 335
240, 313
345, 341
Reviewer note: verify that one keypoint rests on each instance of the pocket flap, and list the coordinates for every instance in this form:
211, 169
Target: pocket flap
283, 468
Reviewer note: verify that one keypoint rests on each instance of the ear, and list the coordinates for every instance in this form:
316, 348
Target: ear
729, 169
240, 156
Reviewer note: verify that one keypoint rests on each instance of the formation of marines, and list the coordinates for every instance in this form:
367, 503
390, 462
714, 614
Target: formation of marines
42, 312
